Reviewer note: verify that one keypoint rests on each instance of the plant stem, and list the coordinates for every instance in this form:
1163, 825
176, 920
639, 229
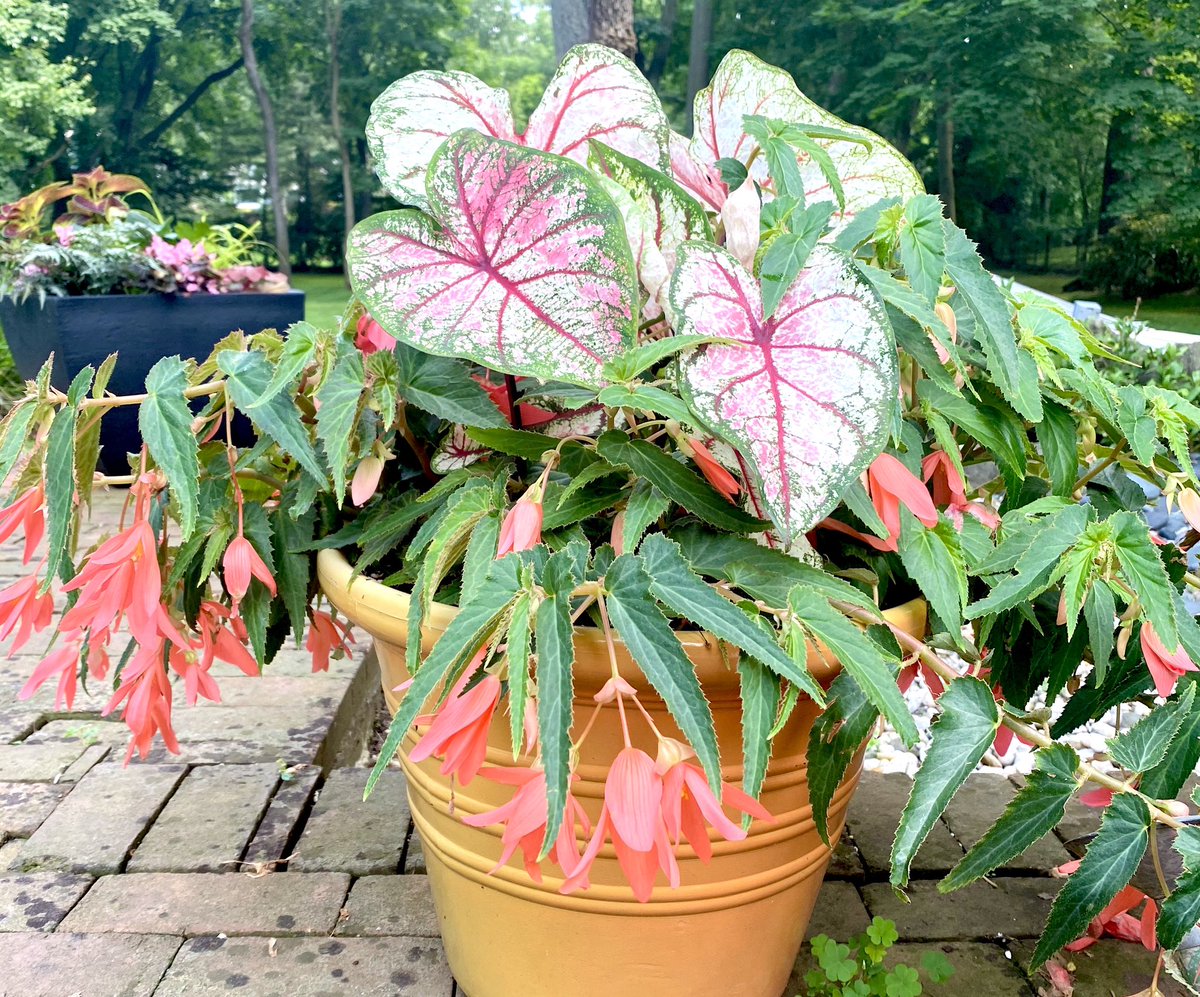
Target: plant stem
1097, 469
123, 401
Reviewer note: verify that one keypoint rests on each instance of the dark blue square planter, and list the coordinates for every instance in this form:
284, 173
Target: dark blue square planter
142, 328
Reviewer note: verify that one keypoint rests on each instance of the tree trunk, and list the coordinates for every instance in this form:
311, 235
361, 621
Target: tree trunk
333, 26
570, 20
1112, 175
697, 78
610, 22
270, 136
666, 29
945, 153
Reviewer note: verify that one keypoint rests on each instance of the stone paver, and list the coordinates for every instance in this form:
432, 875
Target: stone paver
208, 821
279, 826
840, 912
358, 837
979, 804
38, 901
1108, 967
62, 965
24, 805
396, 905
845, 863
414, 856
309, 967
212, 903
85, 732
874, 814
104, 816
1014, 907
37, 762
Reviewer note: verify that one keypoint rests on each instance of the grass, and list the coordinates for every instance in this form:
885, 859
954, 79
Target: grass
1175, 312
325, 295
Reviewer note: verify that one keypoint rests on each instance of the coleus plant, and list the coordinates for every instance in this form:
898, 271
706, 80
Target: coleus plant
754, 383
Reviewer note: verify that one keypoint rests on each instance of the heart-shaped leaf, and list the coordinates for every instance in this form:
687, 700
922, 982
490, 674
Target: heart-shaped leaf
745, 85
524, 266
596, 94
805, 396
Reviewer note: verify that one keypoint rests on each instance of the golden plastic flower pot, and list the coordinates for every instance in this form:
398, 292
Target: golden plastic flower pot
733, 927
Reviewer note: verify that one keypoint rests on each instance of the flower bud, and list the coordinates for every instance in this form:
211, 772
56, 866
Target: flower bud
740, 216
366, 479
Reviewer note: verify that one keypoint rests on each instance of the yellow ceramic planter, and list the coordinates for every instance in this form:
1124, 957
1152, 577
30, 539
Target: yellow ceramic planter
734, 926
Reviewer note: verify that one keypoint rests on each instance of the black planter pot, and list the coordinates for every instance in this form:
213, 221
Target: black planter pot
142, 328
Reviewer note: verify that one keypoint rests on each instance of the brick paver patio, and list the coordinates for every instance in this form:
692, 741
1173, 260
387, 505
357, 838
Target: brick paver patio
249, 864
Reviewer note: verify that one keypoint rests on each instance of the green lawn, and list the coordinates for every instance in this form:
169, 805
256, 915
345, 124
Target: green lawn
1177, 312
326, 295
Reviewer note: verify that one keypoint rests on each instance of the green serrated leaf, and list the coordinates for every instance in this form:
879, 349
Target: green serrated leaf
934, 559
481, 551
448, 543
1057, 434
300, 349
293, 569
1145, 744
837, 734
646, 505
1143, 570
860, 656
677, 587
786, 255
638, 359
444, 387
16, 429
340, 397
922, 245
517, 654
760, 702
1033, 813
87, 437
165, 422
59, 478
959, 737
676, 482
472, 627
646, 398
1110, 862
656, 649
555, 661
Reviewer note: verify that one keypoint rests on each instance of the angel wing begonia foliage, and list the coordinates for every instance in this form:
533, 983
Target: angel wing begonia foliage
596, 94
523, 265
869, 170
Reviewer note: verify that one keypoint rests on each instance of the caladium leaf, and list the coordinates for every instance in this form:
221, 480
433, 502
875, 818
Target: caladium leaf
596, 94
745, 85
523, 267
804, 396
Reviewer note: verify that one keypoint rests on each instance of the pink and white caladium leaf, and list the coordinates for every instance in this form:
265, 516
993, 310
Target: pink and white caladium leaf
456, 451
806, 396
523, 266
596, 94
745, 85
659, 216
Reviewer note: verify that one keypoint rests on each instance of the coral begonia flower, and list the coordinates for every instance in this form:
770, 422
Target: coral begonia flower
949, 491
366, 479
26, 512
197, 681
1098, 798
690, 807
23, 610
242, 562
145, 691
724, 482
1189, 505
632, 818
326, 636
891, 485
219, 641
458, 731
1116, 922
932, 680
531, 415
121, 577
524, 821
1165, 667
370, 337
522, 527
63, 662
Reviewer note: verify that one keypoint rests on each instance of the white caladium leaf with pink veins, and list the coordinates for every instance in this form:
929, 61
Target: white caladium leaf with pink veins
806, 396
595, 94
523, 266
743, 84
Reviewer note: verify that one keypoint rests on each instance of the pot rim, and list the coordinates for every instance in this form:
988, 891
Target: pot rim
383, 612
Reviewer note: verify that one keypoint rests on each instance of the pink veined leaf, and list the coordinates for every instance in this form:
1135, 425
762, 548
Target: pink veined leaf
457, 450
744, 84
701, 179
523, 267
595, 94
806, 397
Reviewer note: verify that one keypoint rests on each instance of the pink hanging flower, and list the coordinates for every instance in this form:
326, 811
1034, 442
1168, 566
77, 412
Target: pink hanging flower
522, 527
740, 217
524, 821
531, 415
326, 636
370, 336
632, 818
458, 731
27, 512
890, 485
63, 662
23, 610
366, 479
242, 562
933, 681
725, 483
949, 491
1165, 667
145, 691
1115, 921
689, 805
